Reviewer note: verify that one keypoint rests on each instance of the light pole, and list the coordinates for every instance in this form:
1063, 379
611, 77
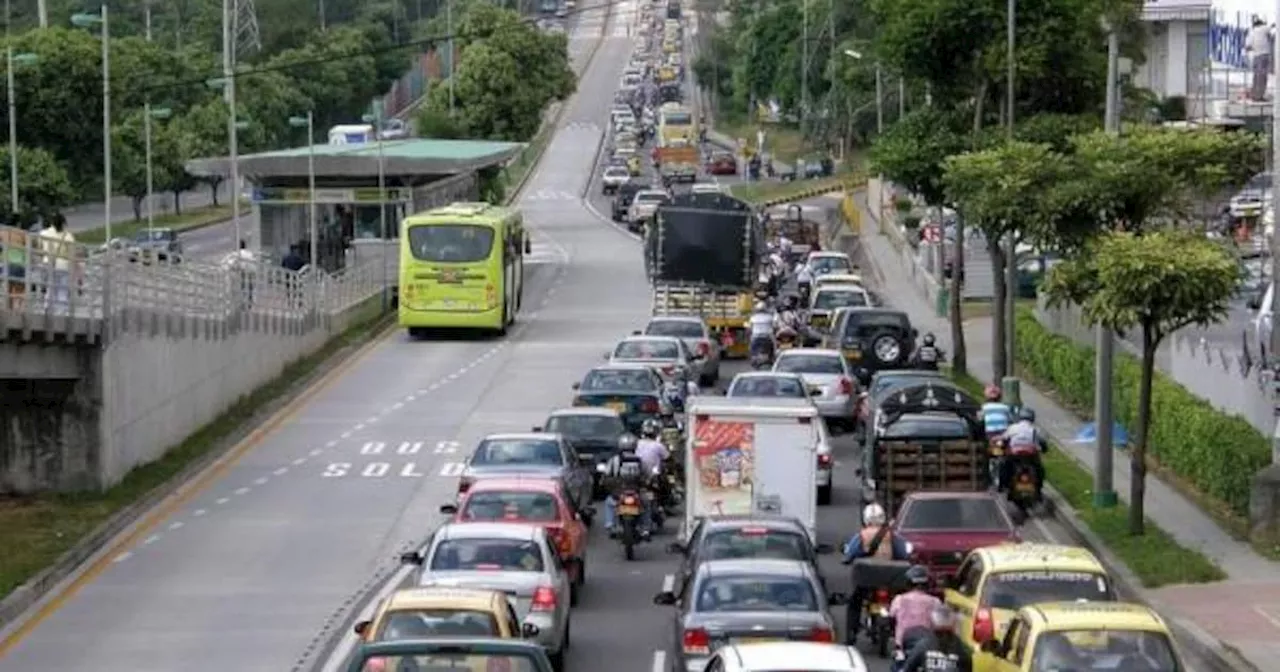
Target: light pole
309, 123
376, 120
14, 60
233, 127
1011, 246
89, 21
857, 56
1104, 494
448, 19
150, 113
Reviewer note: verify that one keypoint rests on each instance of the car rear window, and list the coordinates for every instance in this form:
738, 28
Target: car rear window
424, 623
601, 427
766, 386
647, 349
629, 380
826, 265
514, 555
651, 198
832, 299
517, 451
827, 364
534, 507
756, 593
1015, 590
863, 325
676, 328
753, 543
966, 513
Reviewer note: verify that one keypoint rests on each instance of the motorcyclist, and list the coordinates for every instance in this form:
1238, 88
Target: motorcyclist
874, 540
940, 649
804, 279
911, 609
1024, 443
790, 315
928, 355
996, 415
625, 471
761, 323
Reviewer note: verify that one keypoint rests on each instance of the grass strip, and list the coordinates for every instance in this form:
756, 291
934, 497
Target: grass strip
37, 530
194, 218
1155, 558
765, 191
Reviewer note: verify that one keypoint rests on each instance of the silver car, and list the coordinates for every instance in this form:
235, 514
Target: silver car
829, 380
541, 454
512, 557
614, 177
697, 337
665, 354
645, 204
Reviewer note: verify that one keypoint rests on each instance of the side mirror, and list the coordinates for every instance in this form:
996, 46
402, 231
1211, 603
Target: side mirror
665, 599
636, 332
576, 386
676, 548
824, 549
607, 355
362, 627
837, 599
992, 647
536, 429
449, 509
529, 631
412, 558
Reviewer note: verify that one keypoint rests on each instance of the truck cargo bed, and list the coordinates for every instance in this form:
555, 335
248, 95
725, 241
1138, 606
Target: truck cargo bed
910, 465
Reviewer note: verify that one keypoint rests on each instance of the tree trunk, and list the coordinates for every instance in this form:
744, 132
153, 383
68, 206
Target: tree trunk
213, 191
998, 298
1138, 451
960, 356
177, 202
137, 208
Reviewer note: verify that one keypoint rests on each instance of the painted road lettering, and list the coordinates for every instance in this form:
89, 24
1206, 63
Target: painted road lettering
389, 470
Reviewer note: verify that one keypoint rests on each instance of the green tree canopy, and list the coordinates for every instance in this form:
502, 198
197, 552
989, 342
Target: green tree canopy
913, 151
43, 185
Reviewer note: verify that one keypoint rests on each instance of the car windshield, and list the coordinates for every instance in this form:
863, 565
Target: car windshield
866, 324
600, 427
824, 265
452, 661
517, 451
677, 118
424, 623
451, 243
677, 328
512, 505
828, 299
753, 542
1109, 649
882, 383
513, 555
933, 428
965, 513
648, 197
616, 171
619, 380
647, 349
767, 386
826, 364
1015, 590
756, 593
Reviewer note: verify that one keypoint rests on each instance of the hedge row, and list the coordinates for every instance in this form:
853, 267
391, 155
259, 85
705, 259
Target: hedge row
1215, 453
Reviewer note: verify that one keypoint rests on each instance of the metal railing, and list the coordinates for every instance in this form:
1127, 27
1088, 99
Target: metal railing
54, 279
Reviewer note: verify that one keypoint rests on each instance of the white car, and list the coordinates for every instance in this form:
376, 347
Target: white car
830, 382
613, 178
697, 338
1252, 198
822, 263
645, 204
770, 656
837, 279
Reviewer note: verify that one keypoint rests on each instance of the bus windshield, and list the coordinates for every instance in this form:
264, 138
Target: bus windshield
677, 118
451, 243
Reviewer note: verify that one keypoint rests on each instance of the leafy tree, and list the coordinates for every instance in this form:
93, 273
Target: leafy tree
1156, 283
43, 185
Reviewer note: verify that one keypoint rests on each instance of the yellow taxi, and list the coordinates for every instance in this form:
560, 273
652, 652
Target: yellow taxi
419, 613
633, 165
994, 582
670, 46
1083, 636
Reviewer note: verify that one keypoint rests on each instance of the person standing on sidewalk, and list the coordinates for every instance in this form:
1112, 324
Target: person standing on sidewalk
58, 245
1258, 47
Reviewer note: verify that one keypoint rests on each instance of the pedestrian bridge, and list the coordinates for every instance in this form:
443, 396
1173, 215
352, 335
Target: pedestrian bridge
108, 358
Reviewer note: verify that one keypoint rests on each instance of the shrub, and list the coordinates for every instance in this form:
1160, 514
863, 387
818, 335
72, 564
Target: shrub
1215, 453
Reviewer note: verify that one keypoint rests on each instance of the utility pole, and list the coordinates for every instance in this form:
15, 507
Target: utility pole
902, 96
323, 23
804, 68
879, 100
42, 12
1011, 248
448, 19
1104, 495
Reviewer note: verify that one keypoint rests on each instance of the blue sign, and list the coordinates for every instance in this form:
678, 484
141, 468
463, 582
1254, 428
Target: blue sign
1227, 35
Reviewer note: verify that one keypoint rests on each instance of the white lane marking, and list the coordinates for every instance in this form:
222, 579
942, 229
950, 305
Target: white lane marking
199, 512
176, 525
123, 556
669, 583
299, 461
358, 427
659, 661
346, 435
260, 481
331, 444
151, 540
397, 406
281, 471
241, 491
314, 452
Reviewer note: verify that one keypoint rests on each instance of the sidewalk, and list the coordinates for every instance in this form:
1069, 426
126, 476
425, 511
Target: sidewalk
1242, 611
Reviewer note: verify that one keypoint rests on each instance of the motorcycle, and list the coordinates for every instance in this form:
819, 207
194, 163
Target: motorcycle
1022, 487
995, 457
629, 507
877, 622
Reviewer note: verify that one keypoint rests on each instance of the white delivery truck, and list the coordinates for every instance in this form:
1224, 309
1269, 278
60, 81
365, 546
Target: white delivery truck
747, 456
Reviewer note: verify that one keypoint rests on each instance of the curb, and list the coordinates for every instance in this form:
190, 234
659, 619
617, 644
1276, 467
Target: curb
1202, 644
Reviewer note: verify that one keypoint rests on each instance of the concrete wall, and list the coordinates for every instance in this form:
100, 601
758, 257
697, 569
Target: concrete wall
49, 438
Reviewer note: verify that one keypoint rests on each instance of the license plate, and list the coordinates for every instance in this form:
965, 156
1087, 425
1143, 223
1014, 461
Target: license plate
617, 406
628, 510
853, 354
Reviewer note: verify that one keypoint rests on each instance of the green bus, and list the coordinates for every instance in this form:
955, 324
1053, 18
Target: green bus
462, 266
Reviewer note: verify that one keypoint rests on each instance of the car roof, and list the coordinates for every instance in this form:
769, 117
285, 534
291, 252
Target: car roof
654, 191
827, 254
440, 596
832, 288
813, 656
820, 352
523, 483
794, 407
918, 495
600, 411
651, 337
755, 566
622, 366
766, 374
735, 522
522, 436
676, 318
488, 530
1032, 557
881, 310
1093, 616
615, 168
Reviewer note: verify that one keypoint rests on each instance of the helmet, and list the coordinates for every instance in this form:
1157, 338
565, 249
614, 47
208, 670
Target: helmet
943, 617
792, 301
650, 428
918, 575
1027, 414
928, 339
873, 514
760, 307
993, 392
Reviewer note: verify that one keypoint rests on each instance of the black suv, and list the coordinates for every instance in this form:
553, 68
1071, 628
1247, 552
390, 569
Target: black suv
623, 196
873, 339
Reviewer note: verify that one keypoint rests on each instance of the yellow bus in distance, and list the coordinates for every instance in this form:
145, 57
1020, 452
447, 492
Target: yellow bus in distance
461, 266
675, 123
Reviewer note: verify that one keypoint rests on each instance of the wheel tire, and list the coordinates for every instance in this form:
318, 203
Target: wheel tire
879, 339
575, 588
824, 495
506, 320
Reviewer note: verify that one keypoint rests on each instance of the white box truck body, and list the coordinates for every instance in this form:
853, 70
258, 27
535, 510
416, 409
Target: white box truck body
748, 456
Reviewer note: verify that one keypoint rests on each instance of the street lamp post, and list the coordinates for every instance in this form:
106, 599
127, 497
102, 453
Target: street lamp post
14, 60
312, 228
234, 125
376, 120
150, 113
89, 21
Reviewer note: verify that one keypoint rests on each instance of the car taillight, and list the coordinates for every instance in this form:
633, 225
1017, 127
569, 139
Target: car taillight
375, 665
696, 641
824, 460
544, 599
821, 634
649, 406
704, 347
668, 370
846, 386
984, 629
559, 539
464, 484
630, 500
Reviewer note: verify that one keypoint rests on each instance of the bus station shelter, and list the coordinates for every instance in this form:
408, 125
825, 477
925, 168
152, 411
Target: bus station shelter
418, 173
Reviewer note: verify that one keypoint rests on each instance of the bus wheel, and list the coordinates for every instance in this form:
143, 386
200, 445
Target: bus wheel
502, 326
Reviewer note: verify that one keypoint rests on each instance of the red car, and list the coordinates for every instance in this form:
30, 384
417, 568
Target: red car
722, 164
533, 500
943, 527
